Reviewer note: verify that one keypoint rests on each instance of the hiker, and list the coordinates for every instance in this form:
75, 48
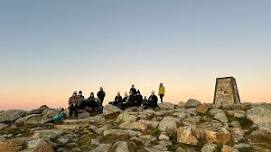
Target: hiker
92, 104
118, 99
73, 104
139, 98
101, 95
125, 99
133, 90
81, 99
145, 101
152, 101
131, 101
57, 118
161, 91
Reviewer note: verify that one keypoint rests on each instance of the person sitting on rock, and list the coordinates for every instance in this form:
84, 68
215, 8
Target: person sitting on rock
101, 95
139, 98
92, 104
118, 99
145, 101
73, 104
57, 118
131, 101
81, 99
152, 101
123, 102
125, 99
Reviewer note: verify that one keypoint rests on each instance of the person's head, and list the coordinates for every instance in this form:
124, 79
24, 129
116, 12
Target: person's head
138, 92
80, 92
133, 86
152, 93
126, 94
118, 93
161, 85
91, 94
74, 93
101, 89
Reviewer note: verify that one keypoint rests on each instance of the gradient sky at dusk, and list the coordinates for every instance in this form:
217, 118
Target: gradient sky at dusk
51, 48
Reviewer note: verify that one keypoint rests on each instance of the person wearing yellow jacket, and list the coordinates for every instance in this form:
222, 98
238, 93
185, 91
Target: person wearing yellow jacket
162, 91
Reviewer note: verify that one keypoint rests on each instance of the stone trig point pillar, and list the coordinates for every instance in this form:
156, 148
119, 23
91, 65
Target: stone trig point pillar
226, 91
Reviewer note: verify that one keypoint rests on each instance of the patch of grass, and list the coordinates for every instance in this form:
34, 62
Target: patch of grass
156, 132
218, 147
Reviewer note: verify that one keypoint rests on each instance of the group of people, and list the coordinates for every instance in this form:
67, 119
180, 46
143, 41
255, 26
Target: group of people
78, 102
91, 104
136, 99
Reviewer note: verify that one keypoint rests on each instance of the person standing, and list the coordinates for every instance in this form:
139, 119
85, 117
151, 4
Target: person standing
133, 89
162, 91
101, 95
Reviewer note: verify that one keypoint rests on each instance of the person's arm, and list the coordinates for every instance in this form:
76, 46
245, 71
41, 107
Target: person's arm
70, 101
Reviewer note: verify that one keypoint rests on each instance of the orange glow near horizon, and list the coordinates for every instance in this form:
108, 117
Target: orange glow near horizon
57, 97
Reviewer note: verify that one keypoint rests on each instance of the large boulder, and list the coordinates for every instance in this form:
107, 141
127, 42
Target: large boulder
111, 109
12, 145
219, 115
134, 126
2, 126
222, 136
49, 134
260, 114
262, 136
39, 110
39, 145
168, 124
126, 117
184, 135
11, 115
149, 123
237, 134
32, 119
166, 105
202, 108
192, 103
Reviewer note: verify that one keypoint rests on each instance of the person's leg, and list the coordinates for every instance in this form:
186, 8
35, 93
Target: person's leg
102, 100
76, 111
70, 110
161, 97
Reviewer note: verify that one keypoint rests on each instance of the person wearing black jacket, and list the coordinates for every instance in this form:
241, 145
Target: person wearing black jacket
152, 101
101, 95
118, 99
81, 99
133, 90
90, 102
139, 98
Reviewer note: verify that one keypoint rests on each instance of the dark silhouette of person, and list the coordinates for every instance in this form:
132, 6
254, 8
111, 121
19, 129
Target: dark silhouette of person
101, 95
73, 104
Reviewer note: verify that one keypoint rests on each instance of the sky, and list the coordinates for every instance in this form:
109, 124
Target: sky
51, 48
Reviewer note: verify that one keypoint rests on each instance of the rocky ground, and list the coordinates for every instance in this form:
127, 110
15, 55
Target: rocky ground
186, 127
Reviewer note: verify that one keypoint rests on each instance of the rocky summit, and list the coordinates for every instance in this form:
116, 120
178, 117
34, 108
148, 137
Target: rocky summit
187, 127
